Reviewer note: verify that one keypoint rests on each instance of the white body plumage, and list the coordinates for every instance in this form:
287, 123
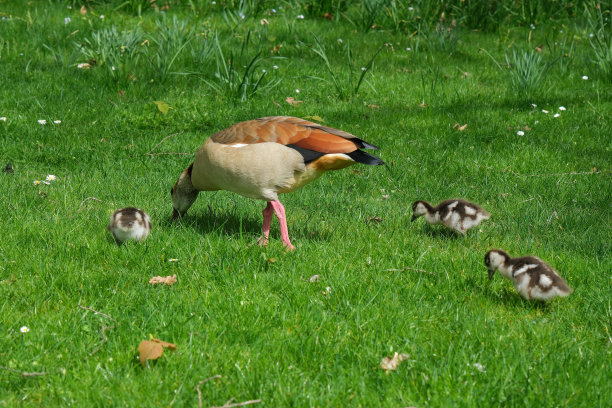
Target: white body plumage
129, 224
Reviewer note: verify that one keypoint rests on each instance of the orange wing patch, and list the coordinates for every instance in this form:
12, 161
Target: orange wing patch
288, 130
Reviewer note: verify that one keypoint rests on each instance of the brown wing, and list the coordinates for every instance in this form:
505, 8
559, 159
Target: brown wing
288, 130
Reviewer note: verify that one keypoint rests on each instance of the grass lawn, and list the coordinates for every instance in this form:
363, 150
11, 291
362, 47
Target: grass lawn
251, 314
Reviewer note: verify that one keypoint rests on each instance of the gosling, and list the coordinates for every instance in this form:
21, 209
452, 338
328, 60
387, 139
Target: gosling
129, 224
458, 215
532, 277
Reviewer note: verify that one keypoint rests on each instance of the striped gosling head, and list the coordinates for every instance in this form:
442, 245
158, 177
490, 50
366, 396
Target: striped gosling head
129, 224
494, 259
419, 208
183, 194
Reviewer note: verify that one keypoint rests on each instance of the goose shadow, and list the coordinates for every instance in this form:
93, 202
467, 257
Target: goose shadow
233, 223
438, 232
511, 299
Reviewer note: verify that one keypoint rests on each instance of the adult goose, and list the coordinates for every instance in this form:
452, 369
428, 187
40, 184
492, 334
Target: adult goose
265, 157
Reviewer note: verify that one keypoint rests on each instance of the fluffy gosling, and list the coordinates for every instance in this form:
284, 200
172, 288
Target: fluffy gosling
532, 277
129, 224
458, 215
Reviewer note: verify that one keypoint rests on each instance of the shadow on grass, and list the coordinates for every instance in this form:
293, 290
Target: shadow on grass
511, 299
231, 223
438, 232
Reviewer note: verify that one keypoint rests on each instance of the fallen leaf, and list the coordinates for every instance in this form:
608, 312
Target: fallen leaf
314, 278
328, 16
84, 65
374, 219
372, 106
316, 118
423, 105
291, 101
171, 346
83, 10
168, 280
391, 363
149, 350
539, 48
163, 107
276, 48
263, 21
460, 128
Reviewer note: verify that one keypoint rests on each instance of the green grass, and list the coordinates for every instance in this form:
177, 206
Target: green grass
250, 314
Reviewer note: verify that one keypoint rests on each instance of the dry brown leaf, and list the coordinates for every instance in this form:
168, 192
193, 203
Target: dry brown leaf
374, 219
168, 280
83, 10
328, 16
276, 49
460, 128
372, 106
149, 350
84, 65
263, 21
171, 346
291, 101
391, 363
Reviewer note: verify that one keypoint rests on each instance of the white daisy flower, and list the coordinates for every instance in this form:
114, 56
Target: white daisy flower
585, 77
57, 122
300, 17
479, 367
42, 121
51, 177
340, 41
556, 115
24, 329
264, 71
562, 108
274, 10
275, 66
520, 133
172, 260
36, 182
297, 91
544, 111
408, 49
532, 26
534, 105
536, 122
102, 16
67, 20
364, 69
3, 118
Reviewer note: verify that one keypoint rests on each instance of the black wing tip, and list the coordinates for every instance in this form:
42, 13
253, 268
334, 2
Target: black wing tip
365, 158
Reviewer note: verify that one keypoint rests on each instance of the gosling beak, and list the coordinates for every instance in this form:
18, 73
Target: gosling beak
491, 273
414, 217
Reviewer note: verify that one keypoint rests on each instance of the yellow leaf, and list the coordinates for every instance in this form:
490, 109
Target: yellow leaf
163, 107
316, 118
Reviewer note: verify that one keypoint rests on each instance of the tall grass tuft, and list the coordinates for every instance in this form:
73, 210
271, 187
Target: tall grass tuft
366, 13
239, 75
118, 52
601, 38
170, 39
346, 85
527, 71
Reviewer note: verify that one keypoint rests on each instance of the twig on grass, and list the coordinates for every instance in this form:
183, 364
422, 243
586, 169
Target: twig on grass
529, 199
406, 268
22, 374
104, 339
200, 392
237, 404
162, 141
167, 154
96, 312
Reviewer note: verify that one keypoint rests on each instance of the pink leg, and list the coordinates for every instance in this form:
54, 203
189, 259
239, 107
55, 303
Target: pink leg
282, 220
267, 220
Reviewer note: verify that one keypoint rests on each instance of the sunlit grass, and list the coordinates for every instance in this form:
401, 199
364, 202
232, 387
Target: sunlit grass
251, 314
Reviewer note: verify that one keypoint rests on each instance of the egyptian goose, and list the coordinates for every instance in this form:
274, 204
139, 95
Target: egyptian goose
264, 157
532, 277
129, 224
456, 214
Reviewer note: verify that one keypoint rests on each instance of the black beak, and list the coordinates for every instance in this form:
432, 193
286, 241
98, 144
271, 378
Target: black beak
491, 273
414, 217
